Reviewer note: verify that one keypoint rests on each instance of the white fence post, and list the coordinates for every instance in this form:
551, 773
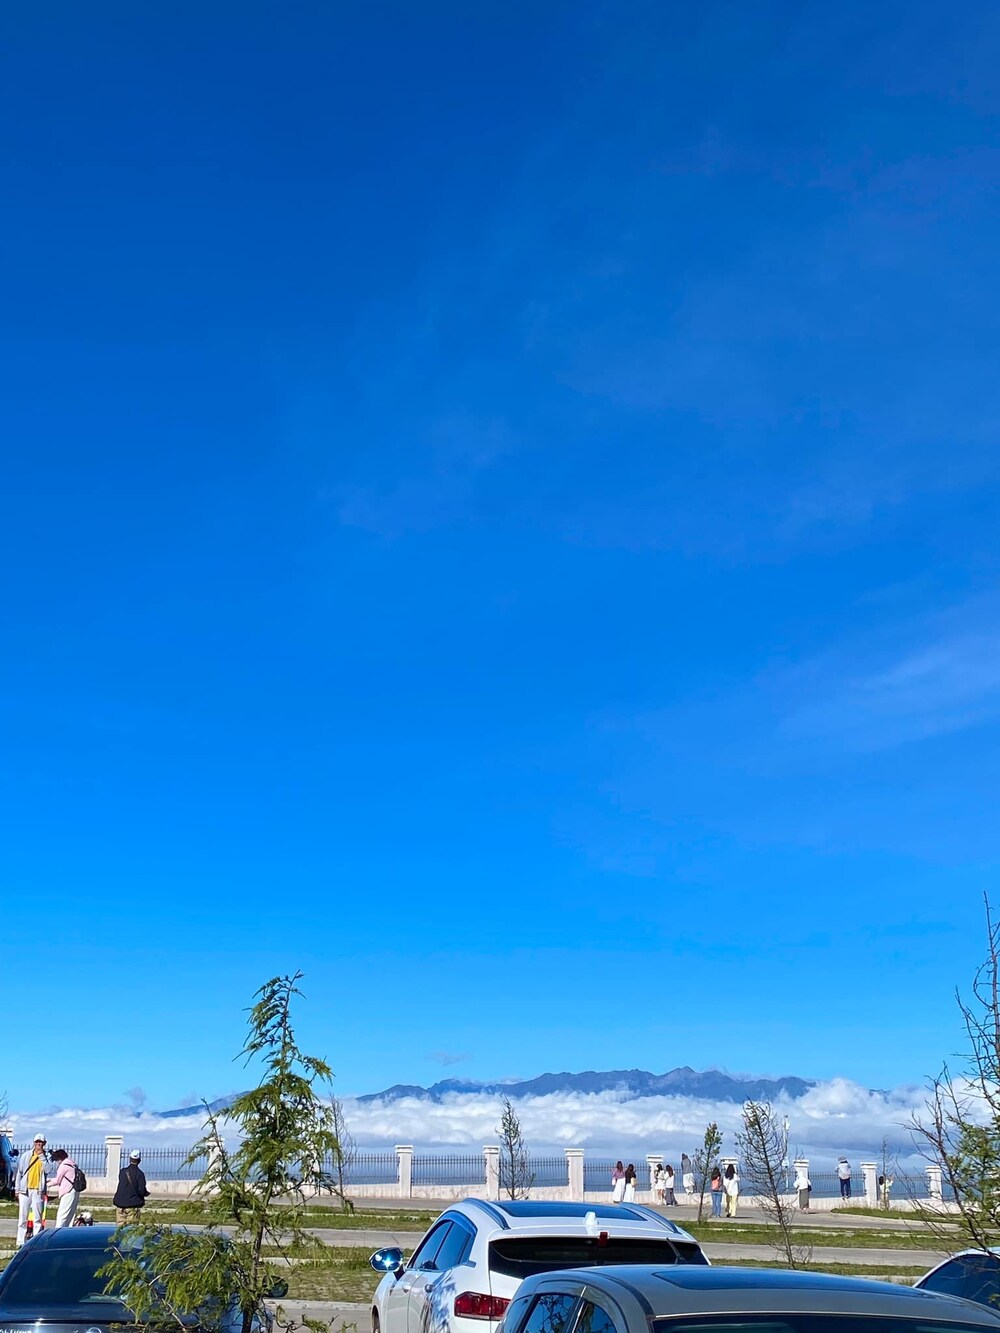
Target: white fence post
404, 1158
934, 1185
492, 1155
869, 1172
113, 1144
574, 1171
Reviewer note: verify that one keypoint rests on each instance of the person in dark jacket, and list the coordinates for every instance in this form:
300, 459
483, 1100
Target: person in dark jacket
131, 1194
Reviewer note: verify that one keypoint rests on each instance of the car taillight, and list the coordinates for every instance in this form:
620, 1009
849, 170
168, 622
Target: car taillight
474, 1305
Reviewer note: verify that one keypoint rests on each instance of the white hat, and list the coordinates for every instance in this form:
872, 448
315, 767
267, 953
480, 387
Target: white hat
135, 1155
39, 1138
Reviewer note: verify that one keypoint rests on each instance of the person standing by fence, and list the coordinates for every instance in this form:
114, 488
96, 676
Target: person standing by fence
731, 1189
844, 1177
617, 1183
131, 1194
687, 1175
630, 1178
715, 1189
64, 1184
32, 1185
670, 1185
656, 1179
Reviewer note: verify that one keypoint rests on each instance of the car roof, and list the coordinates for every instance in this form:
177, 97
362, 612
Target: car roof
534, 1217
82, 1238
689, 1289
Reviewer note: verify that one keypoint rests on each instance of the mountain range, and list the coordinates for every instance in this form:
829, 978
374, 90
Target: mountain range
631, 1084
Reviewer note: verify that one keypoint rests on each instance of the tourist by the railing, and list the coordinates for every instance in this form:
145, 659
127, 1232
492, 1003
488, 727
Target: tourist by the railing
803, 1185
669, 1186
617, 1183
32, 1186
715, 1189
687, 1174
630, 1177
844, 1176
131, 1194
64, 1184
884, 1186
656, 1178
731, 1189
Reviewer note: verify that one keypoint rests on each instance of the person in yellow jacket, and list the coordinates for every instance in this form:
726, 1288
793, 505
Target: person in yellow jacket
32, 1187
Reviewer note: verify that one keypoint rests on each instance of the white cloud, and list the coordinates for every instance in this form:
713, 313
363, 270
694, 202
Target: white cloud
833, 1117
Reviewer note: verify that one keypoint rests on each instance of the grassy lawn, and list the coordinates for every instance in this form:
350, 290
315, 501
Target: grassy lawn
346, 1275
901, 1214
752, 1233
842, 1270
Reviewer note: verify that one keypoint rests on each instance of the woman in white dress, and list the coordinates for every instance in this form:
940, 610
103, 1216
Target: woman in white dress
658, 1183
617, 1183
630, 1183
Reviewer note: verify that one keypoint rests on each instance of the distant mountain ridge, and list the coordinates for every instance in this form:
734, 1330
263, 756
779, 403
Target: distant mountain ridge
707, 1084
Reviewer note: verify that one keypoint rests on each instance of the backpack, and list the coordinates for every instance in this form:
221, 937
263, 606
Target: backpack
79, 1180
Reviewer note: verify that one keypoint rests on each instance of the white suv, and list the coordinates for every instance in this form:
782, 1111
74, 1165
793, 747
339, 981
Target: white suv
462, 1275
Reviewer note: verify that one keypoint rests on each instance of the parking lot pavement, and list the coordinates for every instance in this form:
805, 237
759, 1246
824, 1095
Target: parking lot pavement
342, 1316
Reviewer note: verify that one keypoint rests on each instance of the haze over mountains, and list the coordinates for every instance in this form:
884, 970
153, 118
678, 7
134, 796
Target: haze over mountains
601, 1110
711, 1084
628, 1084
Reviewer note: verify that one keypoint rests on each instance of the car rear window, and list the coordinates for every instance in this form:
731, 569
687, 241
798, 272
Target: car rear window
521, 1256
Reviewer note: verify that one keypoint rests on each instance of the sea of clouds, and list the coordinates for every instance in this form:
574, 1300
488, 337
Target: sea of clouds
834, 1117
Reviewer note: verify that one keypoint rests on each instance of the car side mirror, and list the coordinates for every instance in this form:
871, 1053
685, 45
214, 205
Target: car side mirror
389, 1260
278, 1288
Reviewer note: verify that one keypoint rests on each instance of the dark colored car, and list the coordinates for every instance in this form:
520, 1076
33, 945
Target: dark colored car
692, 1299
51, 1286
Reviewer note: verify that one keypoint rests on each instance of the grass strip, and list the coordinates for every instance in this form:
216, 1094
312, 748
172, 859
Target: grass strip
752, 1233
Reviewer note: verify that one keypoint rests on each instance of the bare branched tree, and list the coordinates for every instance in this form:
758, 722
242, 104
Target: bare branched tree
344, 1157
516, 1177
960, 1127
704, 1160
763, 1147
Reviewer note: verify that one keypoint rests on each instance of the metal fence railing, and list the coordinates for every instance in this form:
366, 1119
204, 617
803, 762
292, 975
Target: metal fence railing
90, 1157
597, 1173
380, 1167
467, 1169
547, 1172
168, 1163
369, 1168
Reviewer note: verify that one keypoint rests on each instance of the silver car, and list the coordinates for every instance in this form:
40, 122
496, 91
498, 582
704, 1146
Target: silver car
683, 1299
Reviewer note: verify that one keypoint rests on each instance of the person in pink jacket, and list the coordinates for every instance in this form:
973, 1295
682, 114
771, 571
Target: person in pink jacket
62, 1183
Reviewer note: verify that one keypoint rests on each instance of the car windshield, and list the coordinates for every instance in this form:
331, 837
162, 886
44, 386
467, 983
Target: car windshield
521, 1256
59, 1277
974, 1276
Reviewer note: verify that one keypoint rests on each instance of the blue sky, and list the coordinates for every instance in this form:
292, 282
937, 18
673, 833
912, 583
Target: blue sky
499, 512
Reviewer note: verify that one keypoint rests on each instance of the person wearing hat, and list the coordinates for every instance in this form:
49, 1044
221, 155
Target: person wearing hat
64, 1184
32, 1185
131, 1194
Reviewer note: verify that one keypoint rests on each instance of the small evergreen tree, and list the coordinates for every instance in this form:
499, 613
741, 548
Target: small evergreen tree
258, 1191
